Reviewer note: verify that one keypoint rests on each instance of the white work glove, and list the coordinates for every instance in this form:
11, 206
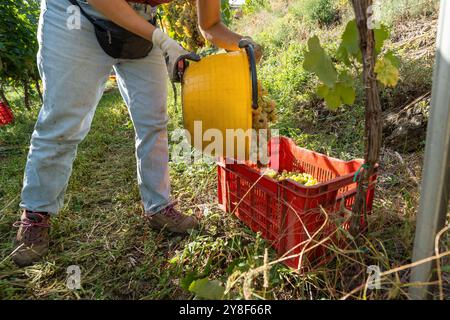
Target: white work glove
245, 41
174, 53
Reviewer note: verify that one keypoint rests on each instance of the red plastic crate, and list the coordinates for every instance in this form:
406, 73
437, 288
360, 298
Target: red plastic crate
288, 214
6, 115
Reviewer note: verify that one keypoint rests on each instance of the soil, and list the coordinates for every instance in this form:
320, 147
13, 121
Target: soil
406, 107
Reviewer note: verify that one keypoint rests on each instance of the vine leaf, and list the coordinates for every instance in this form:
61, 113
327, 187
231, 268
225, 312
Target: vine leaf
186, 282
341, 93
347, 94
387, 71
393, 58
336, 88
323, 91
318, 62
349, 46
207, 289
381, 35
346, 78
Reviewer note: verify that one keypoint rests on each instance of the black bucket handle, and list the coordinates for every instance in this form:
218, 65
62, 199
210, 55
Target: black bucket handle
252, 61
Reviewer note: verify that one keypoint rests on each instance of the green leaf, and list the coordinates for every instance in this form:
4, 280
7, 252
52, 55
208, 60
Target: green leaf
322, 91
348, 94
18, 41
174, 259
186, 282
240, 264
342, 55
349, 47
445, 268
227, 14
390, 55
333, 101
342, 92
350, 39
206, 289
318, 62
346, 79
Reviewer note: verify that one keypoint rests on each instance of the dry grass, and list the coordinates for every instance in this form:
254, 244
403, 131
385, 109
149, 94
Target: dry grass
101, 227
387, 244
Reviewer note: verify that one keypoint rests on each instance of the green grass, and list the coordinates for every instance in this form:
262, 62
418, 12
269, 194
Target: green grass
101, 229
322, 12
394, 10
101, 226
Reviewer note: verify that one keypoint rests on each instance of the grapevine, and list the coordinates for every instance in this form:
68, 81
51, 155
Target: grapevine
18, 47
387, 71
337, 87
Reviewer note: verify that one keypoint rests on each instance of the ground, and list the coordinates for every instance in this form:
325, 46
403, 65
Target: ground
101, 228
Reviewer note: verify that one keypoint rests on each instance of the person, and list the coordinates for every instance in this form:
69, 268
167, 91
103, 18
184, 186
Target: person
74, 68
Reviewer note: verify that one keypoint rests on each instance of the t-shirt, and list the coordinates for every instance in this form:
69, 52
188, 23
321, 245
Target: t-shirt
147, 8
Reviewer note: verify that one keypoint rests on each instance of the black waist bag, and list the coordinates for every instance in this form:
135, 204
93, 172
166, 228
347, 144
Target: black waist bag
116, 41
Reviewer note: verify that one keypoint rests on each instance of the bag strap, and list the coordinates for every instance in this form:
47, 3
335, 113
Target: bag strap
89, 17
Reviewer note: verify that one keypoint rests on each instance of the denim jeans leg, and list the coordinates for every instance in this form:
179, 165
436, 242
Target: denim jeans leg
143, 85
74, 70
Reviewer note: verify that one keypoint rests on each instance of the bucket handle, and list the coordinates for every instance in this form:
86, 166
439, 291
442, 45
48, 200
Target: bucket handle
252, 61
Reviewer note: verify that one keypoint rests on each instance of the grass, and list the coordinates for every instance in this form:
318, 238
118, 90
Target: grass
391, 11
101, 227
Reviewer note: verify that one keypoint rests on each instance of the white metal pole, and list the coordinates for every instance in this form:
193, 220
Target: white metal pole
434, 189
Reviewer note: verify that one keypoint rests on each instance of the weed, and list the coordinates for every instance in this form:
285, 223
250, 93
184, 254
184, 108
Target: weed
101, 226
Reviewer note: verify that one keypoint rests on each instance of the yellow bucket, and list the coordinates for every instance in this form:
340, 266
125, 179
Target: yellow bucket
218, 94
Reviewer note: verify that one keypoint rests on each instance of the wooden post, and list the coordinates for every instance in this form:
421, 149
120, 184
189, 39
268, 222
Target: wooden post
373, 125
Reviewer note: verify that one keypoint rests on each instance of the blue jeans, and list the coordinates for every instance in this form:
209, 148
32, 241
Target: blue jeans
74, 70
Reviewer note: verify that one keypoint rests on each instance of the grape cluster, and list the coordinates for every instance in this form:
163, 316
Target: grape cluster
302, 178
265, 113
180, 20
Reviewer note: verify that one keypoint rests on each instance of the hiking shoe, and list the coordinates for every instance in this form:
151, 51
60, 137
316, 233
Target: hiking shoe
32, 239
171, 219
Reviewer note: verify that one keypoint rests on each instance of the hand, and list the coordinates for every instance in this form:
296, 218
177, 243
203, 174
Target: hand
174, 53
257, 48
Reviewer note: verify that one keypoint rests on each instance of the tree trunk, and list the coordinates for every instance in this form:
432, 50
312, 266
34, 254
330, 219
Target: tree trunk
3, 96
38, 88
26, 94
373, 112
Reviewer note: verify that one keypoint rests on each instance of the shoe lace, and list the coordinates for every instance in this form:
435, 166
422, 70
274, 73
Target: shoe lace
33, 227
173, 213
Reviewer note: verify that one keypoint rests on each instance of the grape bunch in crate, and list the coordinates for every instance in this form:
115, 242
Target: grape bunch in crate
224, 149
